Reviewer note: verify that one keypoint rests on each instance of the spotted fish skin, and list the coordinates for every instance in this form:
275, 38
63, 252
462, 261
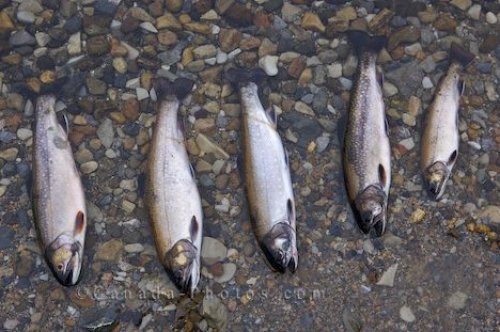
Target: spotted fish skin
58, 196
367, 155
440, 138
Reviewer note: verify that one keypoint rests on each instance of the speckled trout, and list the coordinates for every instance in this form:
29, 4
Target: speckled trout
440, 139
58, 198
172, 194
267, 177
367, 154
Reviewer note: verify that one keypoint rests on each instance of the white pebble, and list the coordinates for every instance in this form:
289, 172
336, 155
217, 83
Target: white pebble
474, 12
269, 63
334, 70
427, 83
491, 18
406, 314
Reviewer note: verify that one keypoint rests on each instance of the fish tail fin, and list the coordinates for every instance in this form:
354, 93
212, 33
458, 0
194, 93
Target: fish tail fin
363, 41
241, 76
460, 54
179, 88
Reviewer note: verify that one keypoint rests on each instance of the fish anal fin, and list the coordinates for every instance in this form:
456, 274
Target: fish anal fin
461, 87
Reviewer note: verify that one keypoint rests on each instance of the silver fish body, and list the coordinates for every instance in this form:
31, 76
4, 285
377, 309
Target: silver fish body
268, 183
173, 200
367, 155
440, 138
58, 197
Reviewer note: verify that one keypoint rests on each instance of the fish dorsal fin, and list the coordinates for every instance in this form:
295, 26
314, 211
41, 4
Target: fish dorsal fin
272, 115
382, 176
191, 169
287, 157
194, 229
386, 126
461, 87
79, 223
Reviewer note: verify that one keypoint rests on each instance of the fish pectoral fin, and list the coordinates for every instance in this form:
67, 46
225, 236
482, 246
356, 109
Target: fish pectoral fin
79, 223
63, 121
380, 77
194, 229
272, 115
461, 87
452, 158
290, 209
382, 175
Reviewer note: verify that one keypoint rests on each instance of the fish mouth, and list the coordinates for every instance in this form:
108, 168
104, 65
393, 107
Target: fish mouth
280, 248
64, 259
435, 177
371, 210
182, 266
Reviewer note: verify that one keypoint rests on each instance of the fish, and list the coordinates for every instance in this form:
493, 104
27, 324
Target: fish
172, 194
58, 195
440, 138
366, 148
267, 175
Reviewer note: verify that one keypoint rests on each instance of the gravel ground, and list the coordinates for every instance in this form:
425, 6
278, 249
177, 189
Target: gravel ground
436, 268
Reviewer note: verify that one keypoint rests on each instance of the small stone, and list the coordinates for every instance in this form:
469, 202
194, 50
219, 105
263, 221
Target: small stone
269, 63
491, 18
445, 22
10, 324
311, 21
167, 38
228, 271
168, 21
105, 133
174, 5
25, 17
109, 251
406, 314
89, 167
21, 38
427, 83
474, 12
74, 44
120, 65
409, 119
462, 4
212, 251
347, 13
387, 278
289, 12
5, 22
408, 34
95, 86
303, 108
148, 26
9, 154
334, 70
215, 312
239, 15
24, 134
98, 45
134, 248
417, 216
229, 39
205, 51
457, 300
389, 89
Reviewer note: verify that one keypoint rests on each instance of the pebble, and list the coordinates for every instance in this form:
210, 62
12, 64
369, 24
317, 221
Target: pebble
474, 12
457, 300
212, 251
9, 154
406, 314
427, 83
89, 167
491, 18
109, 251
389, 89
229, 269
134, 248
24, 134
10, 324
334, 70
311, 21
387, 278
105, 132
269, 63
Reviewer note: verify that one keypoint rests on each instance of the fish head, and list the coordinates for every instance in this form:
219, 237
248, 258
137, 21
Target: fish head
371, 205
183, 266
64, 256
280, 247
435, 177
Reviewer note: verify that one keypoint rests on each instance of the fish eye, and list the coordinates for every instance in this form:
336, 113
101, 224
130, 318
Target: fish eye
60, 267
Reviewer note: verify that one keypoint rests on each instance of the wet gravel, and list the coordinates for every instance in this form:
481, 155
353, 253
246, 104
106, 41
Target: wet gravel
436, 268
